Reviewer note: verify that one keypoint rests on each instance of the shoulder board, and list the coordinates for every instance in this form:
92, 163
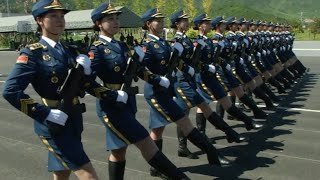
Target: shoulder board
149, 40
97, 43
35, 46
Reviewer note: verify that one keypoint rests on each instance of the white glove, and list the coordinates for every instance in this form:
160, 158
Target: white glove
85, 62
289, 46
255, 41
221, 44
57, 116
122, 96
212, 69
264, 52
140, 52
275, 50
178, 47
246, 42
284, 48
258, 54
164, 82
191, 71
234, 44
249, 58
241, 60
228, 67
202, 43
268, 52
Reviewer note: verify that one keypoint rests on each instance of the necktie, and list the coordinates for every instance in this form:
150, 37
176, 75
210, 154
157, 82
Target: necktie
59, 48
115, 43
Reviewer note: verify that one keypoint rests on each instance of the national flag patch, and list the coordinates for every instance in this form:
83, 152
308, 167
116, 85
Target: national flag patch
215, 41
195, 44
144, 48
91, 55
22, 59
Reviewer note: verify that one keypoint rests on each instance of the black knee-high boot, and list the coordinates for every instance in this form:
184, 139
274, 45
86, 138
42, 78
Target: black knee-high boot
154, 172
284, 81
219, 123
233, 100
269, 92
116, 170
275, 83
183, 150
160, 162
286, 74
299, 67
257, 112
261, 94
220, 110
201, 125
213, 156
294, 72
249, 123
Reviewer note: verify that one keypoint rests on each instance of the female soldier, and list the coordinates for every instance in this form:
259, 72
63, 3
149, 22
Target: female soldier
256, 79
185, 88
109, 62
160, 60
45, 65
227, 77
207, 80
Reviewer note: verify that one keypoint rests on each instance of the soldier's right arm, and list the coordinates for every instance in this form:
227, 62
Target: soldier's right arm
23, 73
91, 86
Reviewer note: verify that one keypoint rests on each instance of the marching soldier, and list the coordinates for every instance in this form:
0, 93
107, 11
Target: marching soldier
228, 77
161, 59
208, 79
185, 88
109, 62
45, 65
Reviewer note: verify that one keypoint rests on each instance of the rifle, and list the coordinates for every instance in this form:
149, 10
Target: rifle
68, 91
130, 74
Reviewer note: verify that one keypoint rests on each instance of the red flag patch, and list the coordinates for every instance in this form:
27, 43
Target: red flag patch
91, 55
144, 48
22, 59
215, 41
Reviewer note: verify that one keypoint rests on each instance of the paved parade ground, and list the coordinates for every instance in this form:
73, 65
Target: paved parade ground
288, 148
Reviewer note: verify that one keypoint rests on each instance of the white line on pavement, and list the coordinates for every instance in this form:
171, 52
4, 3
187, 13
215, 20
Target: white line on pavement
306, 49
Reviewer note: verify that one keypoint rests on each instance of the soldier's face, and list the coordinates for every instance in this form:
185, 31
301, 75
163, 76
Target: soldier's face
110, 24
205, 26
156, 25
222, 27
234, 27
183, 24
52, 22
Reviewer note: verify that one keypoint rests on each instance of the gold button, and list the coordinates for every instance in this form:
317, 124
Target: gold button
116, 68
187, 56
163, 62
107, 51
54, 79
46, 57
209, 55
33, 109
156, 46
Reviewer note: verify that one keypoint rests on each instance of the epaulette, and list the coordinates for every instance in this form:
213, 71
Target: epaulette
97, 43
148, 40
35, 46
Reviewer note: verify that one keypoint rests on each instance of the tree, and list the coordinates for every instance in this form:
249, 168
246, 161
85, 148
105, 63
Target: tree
207, 6
190, 8
315, 27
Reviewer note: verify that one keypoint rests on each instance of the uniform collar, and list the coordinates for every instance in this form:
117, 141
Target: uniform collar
203, 36
154, 37
108, 39
180, 34
51, 42
219, 34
